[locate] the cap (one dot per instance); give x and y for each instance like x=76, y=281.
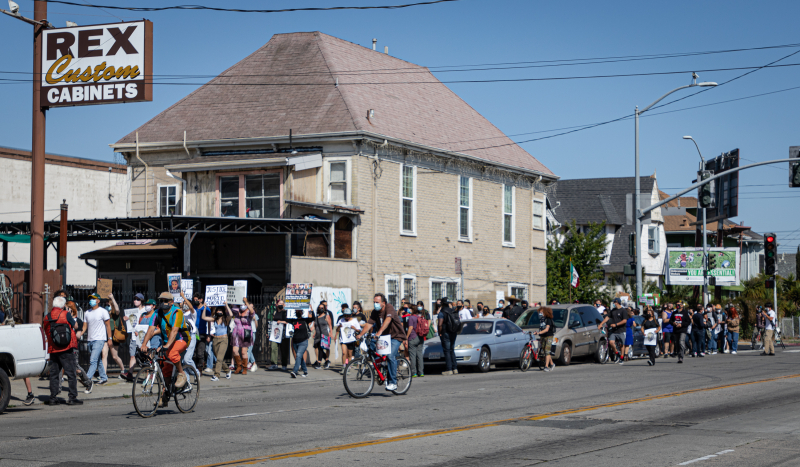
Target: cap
x=150, y=302
x=617, y=300
x=94, y=296
x=139, y=297
x=165, y=296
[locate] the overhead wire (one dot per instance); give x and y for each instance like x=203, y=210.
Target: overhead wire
x=242, y=10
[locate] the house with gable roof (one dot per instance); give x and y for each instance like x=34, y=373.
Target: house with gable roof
x=425, y=197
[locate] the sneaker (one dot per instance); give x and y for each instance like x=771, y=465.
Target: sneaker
x=304, y=375
x=620, y=362
x=122, y=376
x=180, y=380
x=547, y=368
x=666, y=356
x=51, y=401
x=231, y=367
x=714, y=352
x=89, y=388
x=327, y=364
x=391, y=387
x=552, y=367
x=455, y=372
x=253, y=367
x=421, y=376
x=447, y=373
x=414, y=376
x=650, y=362
x=734, y=352
x=293, y=374
x=208, y=371
x=74, y=402
x=214, y=378
x=680, y=360
x=29, y=400
x=187, y=388
x=317, y=366
x=228, y=374
x=101, y=383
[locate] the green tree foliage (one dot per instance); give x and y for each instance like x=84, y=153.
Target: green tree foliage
x=586, y=250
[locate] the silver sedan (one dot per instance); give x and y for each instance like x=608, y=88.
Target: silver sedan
x=481, y=343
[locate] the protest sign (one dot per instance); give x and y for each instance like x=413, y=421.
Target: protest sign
x=139, y=332
x=216, y=295
x=347, y=335
x=298, y=297
x=174, y=286
x=276, y=332
x=289, y=331
x=133, y=318
x=187, y=287
x=104, y=287
x=241, y=284
x=235, y=295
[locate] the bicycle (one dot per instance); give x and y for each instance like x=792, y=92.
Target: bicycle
x=531, y=353
x=149, y=386
x=755, y=342
x=359, y=374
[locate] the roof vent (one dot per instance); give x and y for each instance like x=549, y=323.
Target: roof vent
x=374, y=44
x=684, y=222
x=370, y=114
x=386, y=50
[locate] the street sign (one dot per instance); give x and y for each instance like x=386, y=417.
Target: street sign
x=458, y=266
x=726, y=204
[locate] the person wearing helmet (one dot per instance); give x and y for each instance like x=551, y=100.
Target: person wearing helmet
x=169, y=319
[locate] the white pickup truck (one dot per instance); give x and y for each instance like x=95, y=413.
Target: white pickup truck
x=23, y=354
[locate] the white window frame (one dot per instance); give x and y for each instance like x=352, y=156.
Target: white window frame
x=512, y=285
x=177, y=199
x=413, y=231
x=468, y=238
x=503, y=214
x=656, y=239
x=412, y=294
x=538, y=213
x=347, y=179
x=443, y=280
x=386, y=280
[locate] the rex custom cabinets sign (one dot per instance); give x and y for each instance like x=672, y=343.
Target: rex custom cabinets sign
x=99, y=64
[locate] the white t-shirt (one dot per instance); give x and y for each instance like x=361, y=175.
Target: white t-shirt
x=95, y=324
x=464, y=314
x=601, y=309
x=773, y=316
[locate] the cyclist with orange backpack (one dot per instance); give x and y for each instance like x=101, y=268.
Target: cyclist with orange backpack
x=418, y=327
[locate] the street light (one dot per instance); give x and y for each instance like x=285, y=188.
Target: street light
x=705, y=247
x=638, y=207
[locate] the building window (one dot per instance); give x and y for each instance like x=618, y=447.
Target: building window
x=652, y=240
x=393, y=291
x=518, y=290
x=338, y=182
x=508, y=215
x=263, y=196
x=408, y=199
x=229, y=196
x=444, y=287
x=168, y=200
x=538, y=214
x=409, y=288
x=465, y=209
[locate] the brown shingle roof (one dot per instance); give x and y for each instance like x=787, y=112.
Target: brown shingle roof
x=685, y=201
x=256, y=98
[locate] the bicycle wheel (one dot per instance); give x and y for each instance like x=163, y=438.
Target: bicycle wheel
x=186, y=398
x=359, y=378
x=526, y=358
x=403, y=376
x=146, y=392
x=541, y=357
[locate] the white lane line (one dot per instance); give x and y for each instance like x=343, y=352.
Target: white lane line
x=710, y=456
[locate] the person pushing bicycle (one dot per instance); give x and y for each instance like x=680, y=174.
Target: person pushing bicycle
x=171, y=323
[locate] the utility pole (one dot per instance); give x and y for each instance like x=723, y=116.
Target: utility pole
x=62, y=243
x=37, y=169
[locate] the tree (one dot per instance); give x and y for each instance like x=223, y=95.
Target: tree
x=797, y=262
x=586, y=250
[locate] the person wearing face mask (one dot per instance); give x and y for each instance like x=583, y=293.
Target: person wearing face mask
x=132, y=339
x=463, y=313
x=650, y=326
x=117, y=324
x=98, y=329
x=205, y=339
x=190, y=318
x=148, y=318
x=324, y=329
x=416, y=342
x=218, y=330
x=346, y=328
x=174, y=330
x=284, y=349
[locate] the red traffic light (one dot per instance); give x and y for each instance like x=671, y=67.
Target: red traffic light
x=770, y=239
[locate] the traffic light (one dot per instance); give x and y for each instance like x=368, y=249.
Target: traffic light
x=770, y=283
x=707, y=191
x=794, y=167
x=770, y=253
x=632, y=244
x=712, y=281
x=712, y=261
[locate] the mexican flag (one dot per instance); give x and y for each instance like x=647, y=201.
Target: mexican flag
x=573, y=274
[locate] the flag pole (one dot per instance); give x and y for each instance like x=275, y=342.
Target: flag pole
x=570, y=280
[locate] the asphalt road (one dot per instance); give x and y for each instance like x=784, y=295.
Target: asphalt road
x=741, y=410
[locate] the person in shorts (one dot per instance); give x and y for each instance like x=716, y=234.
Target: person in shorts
x=546, y=332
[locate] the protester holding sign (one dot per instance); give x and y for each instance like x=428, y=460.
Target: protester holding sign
x=322, y=338
x=285, y=342
x=651, y=329
x=303, y=327
x=242, y=335
x=131, y=319
x=190, y=318
x=218, y=328
x=346, y=329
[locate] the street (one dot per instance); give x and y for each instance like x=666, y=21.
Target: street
x=719, y=410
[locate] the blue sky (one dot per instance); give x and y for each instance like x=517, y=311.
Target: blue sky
x=470, y=32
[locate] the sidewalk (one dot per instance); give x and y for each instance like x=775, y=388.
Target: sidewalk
x=117, y=388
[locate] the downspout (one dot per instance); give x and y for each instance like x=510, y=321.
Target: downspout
x=145, y=174
x=375, y=224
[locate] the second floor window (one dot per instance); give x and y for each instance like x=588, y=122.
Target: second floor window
x=229, y=196
x=168, y=201
x=508, y=215
x=653, y=245
x=263, y=196
x=464, y=206
x=338, y=183
x=408, y=192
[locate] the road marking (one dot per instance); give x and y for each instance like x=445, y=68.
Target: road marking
x=444, y=431
x=710, y=456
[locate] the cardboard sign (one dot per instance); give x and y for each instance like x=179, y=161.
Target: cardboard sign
x=298, y=297
x=104, y=287
x=276, y=332
x=187, y=287
x=235, y=295
x=241, y=284
x=216, y=295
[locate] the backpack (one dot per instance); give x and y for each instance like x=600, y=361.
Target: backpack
x=60, y=333
x=452, y=323
x=422, y=327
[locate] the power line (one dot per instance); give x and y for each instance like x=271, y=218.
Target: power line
x=239, y=10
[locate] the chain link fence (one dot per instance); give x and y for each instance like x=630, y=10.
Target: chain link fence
x=790, y=326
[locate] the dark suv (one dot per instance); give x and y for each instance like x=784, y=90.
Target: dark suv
x=576, y=333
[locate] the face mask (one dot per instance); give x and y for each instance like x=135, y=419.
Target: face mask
x=92, y=303
x=218, y=315
x=196, y=303
x=280, y=307
x=377, y=306
x=165, y=306
x=148, y=308
x=108, y=307
x=419, y=308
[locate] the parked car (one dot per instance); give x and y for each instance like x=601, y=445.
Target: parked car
x=23, y=354
x=481, y=343
x=576, y=332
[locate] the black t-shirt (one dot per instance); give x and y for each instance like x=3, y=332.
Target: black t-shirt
x=361, y=317
x=550, y=330
x=512, y=313
x=680, y=321
x=697, y=320
x=301, y=329
x=618, y=315
x=650, y=324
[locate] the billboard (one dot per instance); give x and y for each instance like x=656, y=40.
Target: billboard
x=685, y=266
x=98, y=64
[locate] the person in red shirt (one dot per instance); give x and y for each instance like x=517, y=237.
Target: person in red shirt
x=60, y=322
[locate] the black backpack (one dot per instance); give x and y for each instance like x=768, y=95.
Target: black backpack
x=452, y=322
x=60, y=332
